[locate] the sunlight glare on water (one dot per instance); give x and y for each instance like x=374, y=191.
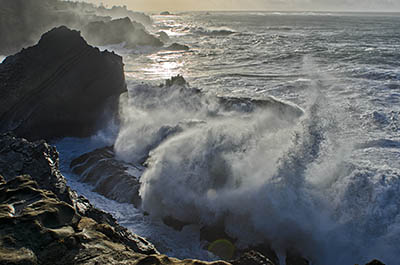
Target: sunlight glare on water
x=164, y=65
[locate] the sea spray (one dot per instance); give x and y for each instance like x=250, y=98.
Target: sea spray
x=267, y=176
x=247, y=172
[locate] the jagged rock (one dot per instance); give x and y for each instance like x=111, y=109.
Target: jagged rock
x=60, y=87
x=266, y=250
x=40, y=160
x=178, y=47
x=175, y=80
x=19, y=157
x=252, y=258
x=110, y=177
x=38, y=228
x=119, y=31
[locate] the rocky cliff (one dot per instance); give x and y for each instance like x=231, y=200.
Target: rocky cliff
x=59, y=87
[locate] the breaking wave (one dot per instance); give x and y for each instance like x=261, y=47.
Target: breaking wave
x=268, y=175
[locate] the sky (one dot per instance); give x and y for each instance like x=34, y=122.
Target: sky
x=272, y=5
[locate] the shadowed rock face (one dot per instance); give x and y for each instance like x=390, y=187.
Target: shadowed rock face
x=59, y=87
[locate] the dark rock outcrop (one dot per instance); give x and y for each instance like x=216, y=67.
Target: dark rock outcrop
x=178, y=47
x=109, y=176
x=117, y=31
x=60, y=87
x=165, y=13
x=176, y=80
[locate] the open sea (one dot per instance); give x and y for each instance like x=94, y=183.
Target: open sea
x=326, y=183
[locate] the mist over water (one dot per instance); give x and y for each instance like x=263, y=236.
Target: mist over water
x=325, y=183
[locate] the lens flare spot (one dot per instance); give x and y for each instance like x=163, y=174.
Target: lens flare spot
x=223, y=248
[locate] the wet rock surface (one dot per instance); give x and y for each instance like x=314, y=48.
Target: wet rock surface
x=110, y=177
x=59, y=87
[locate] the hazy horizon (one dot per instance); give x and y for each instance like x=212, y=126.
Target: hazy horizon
x=258, y=5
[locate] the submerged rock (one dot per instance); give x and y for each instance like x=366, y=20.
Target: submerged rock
x=110, y=177
x=117, y=31
x=59, y=87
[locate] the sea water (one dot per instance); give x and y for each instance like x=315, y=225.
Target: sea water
x=326, y=183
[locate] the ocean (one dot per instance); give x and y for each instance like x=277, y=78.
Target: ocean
x=326, y=183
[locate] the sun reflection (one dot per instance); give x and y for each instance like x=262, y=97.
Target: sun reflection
x=164, y=65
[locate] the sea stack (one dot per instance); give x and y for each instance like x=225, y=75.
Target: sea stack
x=59, y=87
